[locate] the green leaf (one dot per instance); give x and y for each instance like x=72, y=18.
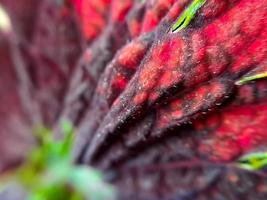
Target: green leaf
x=187, y=15
x=56, y=191
x=90, y=182
x=251, y=78
x=49, y=174
x=68, y=131
x=253, y=161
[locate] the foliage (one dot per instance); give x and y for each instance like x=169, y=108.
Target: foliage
x=48, y=173
x=253, y=161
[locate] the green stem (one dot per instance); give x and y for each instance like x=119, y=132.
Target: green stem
x=187, y=15
x=251, y=78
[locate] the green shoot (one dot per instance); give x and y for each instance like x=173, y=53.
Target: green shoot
x=49, y=174
x=187, y=15
x=251, y=78
x=253, y=161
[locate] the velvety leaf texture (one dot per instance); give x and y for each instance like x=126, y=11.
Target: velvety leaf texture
x=165, y=95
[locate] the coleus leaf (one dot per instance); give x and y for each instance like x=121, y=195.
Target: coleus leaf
x=122, y=67
x=94, y=61
x=93, y=17
x=210, y=57
x=177, y=64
